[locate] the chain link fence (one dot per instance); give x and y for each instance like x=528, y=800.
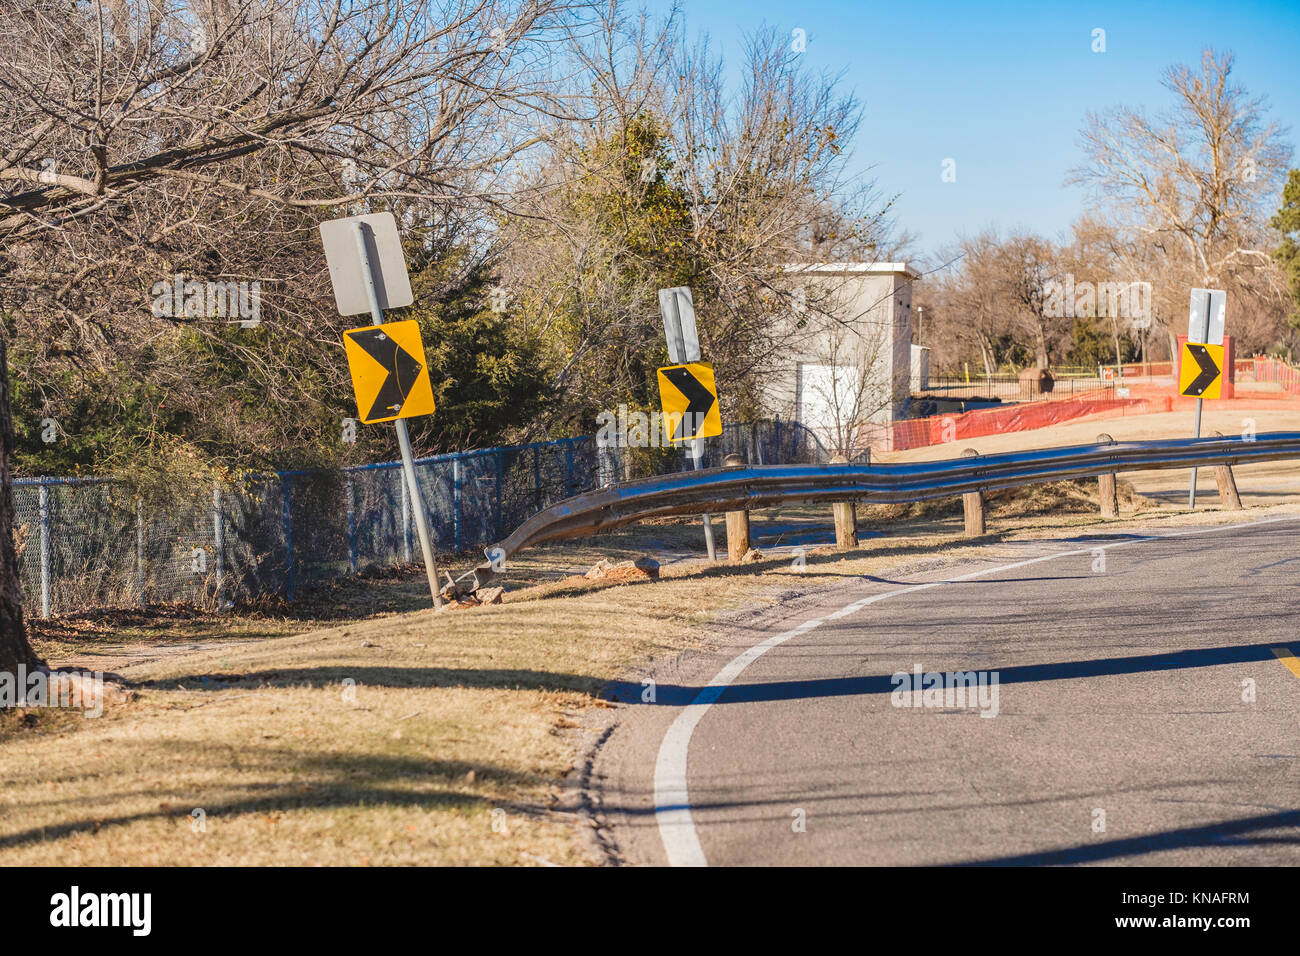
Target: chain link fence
x=87, y=543
x=1012, y=388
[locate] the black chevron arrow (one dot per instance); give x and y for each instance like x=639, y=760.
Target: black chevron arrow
x=1209, y=371
x=698, y=401
x=403, y=369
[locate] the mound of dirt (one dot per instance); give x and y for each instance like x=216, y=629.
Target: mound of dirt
x=643, y=567
x=1075, y=496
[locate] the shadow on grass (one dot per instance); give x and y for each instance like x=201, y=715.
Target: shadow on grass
x=317, y=678
x=343, y=781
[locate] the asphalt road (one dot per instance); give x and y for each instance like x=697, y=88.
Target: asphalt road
x=1119, y=733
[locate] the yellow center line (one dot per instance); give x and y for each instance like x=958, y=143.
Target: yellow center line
x=1291, y=662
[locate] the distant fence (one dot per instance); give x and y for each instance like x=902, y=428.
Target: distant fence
x=1060, y=406
x=958, y=426
x=1010, y=387
x=1276, y=370
x=85, y=543
x=1139, y=370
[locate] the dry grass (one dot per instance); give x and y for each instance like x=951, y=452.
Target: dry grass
x=392, y=739
x=387, y=740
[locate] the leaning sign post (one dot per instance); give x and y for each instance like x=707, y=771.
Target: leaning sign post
x=389, y=372
x=686, y=388
x=1200, y=371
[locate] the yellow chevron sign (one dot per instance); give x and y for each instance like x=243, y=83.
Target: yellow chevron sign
x=1200, y=374
x=389, y=373
x=689, y=397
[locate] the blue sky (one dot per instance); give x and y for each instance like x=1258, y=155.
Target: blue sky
x=1002, y=88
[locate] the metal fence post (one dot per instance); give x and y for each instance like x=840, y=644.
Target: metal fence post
x=139, y=549
x=287, y=524
x=352, y=526
x=568, y=469
x=537, y=477
x=218, y=542
x=501, y=476
x=456, y=479
x=44, y=508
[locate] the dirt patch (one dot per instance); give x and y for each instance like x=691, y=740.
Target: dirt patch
x=1076, y=496
x=644, y=568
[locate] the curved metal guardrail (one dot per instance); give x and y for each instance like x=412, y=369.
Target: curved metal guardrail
x=760, y=486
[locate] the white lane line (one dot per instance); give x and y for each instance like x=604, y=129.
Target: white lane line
x=672, y=799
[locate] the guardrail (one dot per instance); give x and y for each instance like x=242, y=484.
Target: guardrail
x=758, y=486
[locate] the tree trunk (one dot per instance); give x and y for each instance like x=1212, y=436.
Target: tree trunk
x=986, y=355
x=1040, y=347
x=14, y=649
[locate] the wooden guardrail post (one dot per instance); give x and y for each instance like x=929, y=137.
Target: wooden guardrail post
x=973, y=504
x=1106, y=489
x=737, y=521
x=1223, y=477
x=846, y=517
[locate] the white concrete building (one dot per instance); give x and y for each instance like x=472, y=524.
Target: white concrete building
x=848, y=365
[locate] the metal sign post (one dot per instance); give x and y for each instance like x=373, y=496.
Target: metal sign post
x=403, y=438
x=678, y=311
x=1204, y=326
x=695, y=451
x=1196, y=433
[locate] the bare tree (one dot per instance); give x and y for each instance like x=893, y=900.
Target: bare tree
x=1029, y=263
x=677, y=182
x=389, y=97
x=140, y=129
x=992, y=292
x=14, y=649
x=1194, y=183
